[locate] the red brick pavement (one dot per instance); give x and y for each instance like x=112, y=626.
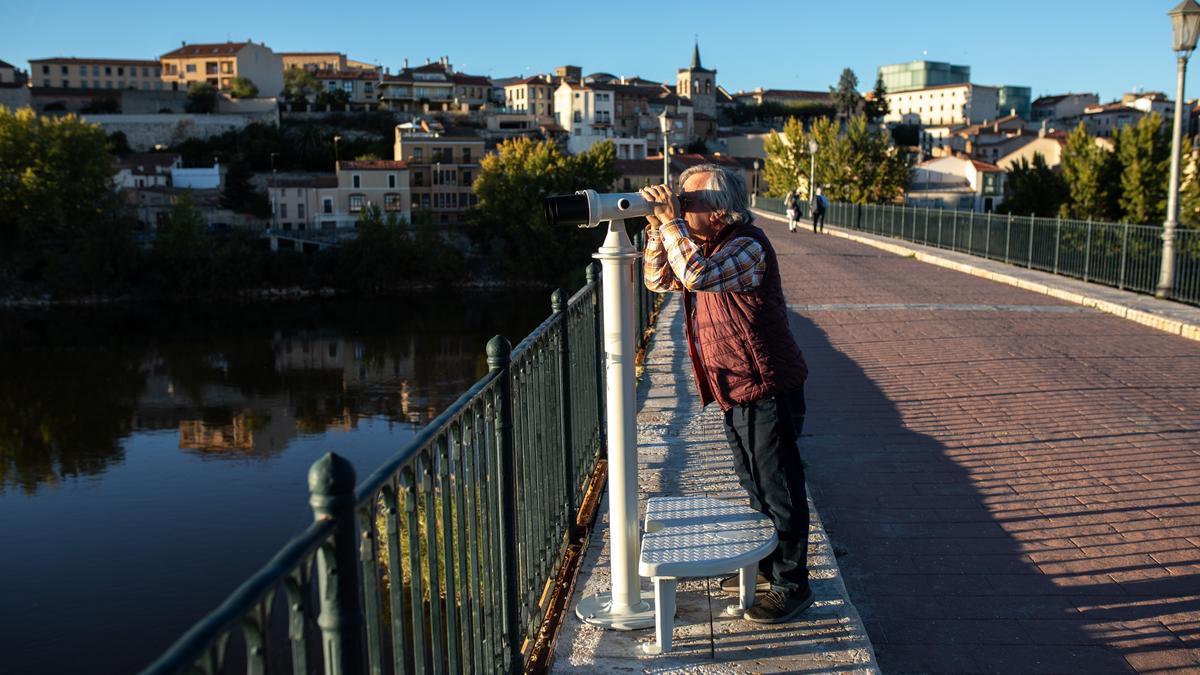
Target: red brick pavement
x=1008, y=491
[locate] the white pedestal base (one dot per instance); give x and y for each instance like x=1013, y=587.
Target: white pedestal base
x=597, y=610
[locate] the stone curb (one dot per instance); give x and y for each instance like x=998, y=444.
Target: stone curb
x=1060, y=288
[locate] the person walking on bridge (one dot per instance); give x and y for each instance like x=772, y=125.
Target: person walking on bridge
x=791, y=204
x=819, y=204
x=705, y=245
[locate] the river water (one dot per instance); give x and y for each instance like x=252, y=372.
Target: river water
x=152, y=458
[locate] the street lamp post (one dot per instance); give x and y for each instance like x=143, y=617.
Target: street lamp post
x=664, y=123
x=336, y=157
x=1185, y=24
x=812, y=168
x=755, y=195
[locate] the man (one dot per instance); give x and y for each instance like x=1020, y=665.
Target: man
x=819, y=204
x=743, y=357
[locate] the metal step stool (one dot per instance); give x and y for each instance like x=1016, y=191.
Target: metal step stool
x=699, y=537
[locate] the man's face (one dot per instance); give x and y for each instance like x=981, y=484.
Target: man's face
x=702, y=223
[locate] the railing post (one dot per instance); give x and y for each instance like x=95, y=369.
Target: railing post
x=940, y=211
x=592, y=274
x=954, y=230
x=1087, y=251
x=499, y=355
x=1029, y=258
x=1057, y=240
x=987, y=240
x=971, y=232
x=1124, y=253
x=558, y=305
x=1007, y=237
x=331, y=495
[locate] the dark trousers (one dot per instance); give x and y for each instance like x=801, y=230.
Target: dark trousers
x=763, y=437
x=818, y=221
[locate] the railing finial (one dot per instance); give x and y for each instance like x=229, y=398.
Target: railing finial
x=558, y=300
x=499, y=352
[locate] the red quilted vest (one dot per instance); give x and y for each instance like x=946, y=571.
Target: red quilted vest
x=746, y=350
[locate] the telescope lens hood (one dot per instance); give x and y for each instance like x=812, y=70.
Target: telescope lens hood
x=566, y=210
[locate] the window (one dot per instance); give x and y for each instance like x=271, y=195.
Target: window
x=418, y=179
x=145, y=72
x=108, y=70
x=391, y=181
x=300, y=210
x=64, y=69
x=120, y=84
x=283, y=210
x=327, y=205
x=578, y=117
x=210, y=67
x=466, y=155
x=83, y=84
x=357, y=203
x=95, y=71
x=392, y=202
x=466, y=178
x=191, y=67
x=425, y=201
x=227, y=67
x=66, y=83
x=355, y=181
x=121, y=70
x=45, y=70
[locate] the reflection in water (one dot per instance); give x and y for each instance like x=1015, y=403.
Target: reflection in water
x=232, y=382
x=152, y=458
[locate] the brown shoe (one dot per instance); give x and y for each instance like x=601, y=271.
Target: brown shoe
x=732, y=586
x=778, y=607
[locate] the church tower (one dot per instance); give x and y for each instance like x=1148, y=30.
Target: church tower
x=698, y=84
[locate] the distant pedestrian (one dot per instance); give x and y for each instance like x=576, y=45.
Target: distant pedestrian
x=819, y=206
x=791, y=203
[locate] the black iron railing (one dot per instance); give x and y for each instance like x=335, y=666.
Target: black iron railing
x=1114, y=254
x=440, y=560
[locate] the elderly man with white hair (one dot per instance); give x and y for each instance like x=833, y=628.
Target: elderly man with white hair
x=704, y=244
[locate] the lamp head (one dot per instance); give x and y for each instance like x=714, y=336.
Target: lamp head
x=1185, y=25
x=812, y=146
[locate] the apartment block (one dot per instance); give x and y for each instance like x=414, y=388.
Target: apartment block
x=443, y=163
x=435, y=87
x=947, y=104
x=361, y=86
x=317, y=61
x=586, y=113
x=1061, y=106
x=331, y=203
x=97, y=73
x=218, y=63
x=534, y=95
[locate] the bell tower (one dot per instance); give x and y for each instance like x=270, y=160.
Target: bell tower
x=698, y=84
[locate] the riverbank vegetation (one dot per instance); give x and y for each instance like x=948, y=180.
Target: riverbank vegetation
x=66, y=233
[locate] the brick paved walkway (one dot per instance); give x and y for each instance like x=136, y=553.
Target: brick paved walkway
x=1011, y=482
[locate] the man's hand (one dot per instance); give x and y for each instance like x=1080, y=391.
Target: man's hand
x=666, y=205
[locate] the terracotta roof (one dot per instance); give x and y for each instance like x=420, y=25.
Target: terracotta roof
x=984, y=166
x=208, y=49
x=146, y=163
x=532, y=79
x=310, y=53
x=6, y=64
x=98, y=62
x=791, y=93
x=371, y=165
x=639, y=167
x=459, y=78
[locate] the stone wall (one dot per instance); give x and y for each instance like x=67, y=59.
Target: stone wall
x=146, y=131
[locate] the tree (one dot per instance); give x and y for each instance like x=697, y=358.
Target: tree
x=855, y=165
x=845, y=95
x=118, y=143
x=335, y=98
x=509, y=221
x=1033, y=189
x=240, y=87
x=201, y=98
x=239, y=195
x=1144, y=152
x=1189, y=190
x=877, y=108
x=299, y=85
x=1087, y=170
x=181, y=249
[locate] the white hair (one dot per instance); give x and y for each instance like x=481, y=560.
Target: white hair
x=724, y=193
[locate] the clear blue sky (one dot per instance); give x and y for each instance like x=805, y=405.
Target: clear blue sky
x=1107, y=46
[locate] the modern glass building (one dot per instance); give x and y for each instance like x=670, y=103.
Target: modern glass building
x=922, y=74
x=1015, y=98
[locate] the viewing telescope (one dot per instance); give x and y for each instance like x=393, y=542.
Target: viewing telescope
x=588, y=208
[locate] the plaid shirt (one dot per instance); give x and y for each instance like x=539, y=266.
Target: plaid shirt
x=673, y=262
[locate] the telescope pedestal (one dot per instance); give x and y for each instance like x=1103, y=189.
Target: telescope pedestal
x=627, y=607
